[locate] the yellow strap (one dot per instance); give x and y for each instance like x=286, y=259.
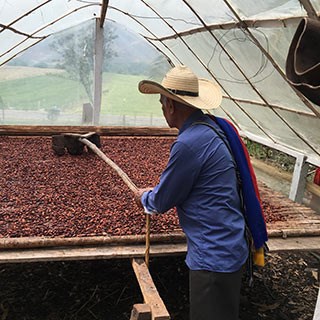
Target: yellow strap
x=258, y=257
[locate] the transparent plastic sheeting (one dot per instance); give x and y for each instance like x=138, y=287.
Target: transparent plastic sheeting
x=272, y=9
x=209, y=37
x=38, y=90
x=44, y=18
x=316, y=5
x=275, y=127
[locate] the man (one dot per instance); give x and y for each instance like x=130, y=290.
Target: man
x=200, y=181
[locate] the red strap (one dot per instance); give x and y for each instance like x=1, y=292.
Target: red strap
x=316, y=179
x=252, y=173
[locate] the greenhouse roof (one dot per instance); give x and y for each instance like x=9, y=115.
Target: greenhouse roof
x=242, y=45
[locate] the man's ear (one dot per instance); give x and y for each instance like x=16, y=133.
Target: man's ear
x=171, y=106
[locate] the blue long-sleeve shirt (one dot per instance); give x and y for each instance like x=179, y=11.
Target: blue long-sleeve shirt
x=200, y=181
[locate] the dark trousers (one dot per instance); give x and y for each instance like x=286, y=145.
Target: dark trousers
x=214, y=295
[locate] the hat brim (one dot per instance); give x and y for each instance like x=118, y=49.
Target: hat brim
x=209, y=97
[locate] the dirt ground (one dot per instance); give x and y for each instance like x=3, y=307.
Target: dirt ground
x=286, y=288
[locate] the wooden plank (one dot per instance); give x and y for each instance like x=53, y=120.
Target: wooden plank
x=88, y=253
x=281, y=174
x=141, y=312
x=18, y=130
x=149, y=291
x=93, y=241
x=60, y=253
x=315, y=160
x=294, y=244
x=285, y=233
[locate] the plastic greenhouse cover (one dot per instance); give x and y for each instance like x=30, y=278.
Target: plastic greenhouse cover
x=274, y=9
x=209, y=37
x=316, y=4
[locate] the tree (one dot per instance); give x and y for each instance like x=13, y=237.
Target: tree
x=75, y=48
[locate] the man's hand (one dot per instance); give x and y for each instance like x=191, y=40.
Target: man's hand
x=138, y=194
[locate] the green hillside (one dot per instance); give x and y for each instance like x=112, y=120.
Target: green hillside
x=119, y=94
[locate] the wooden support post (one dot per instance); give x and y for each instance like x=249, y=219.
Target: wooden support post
x=149, y=291
x=298, y=182
x=141, y=312
x=87, y=113
x=98, y=62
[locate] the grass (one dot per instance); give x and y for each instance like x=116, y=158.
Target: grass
x=121, y=96
x=36, y=91
x=40, y=92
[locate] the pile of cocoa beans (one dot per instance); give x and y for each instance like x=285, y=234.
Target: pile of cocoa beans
x=43, y=194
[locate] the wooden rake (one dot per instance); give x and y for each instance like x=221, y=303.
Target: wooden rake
x=74, y=144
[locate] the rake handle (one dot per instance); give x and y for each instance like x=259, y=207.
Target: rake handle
x=126, y=180
x=112, y=164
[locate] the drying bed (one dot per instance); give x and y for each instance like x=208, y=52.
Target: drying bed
x=45, y=195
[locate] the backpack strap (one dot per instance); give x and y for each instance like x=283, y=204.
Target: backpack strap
x=230, y=151
x=248, y=235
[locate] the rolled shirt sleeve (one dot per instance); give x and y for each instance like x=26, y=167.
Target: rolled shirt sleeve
x=176, y=181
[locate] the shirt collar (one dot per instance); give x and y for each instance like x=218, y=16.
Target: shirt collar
x=195, y=116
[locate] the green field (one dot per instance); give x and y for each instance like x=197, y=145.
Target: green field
x=35, y=91
x=120, y=95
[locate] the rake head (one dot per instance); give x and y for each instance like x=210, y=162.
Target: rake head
x=70, y=143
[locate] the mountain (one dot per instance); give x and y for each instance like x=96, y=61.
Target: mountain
x=133, y=54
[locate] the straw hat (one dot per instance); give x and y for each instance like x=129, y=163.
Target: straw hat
x=303, y=60
x=182, y=85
